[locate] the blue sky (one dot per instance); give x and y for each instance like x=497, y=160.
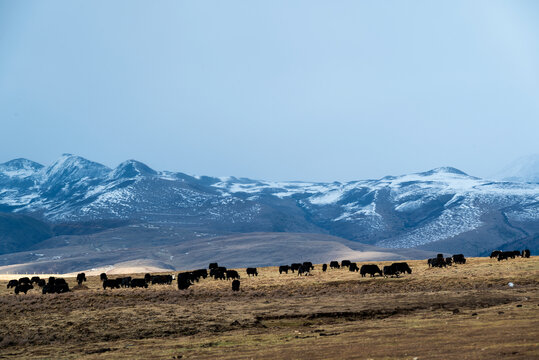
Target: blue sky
x=280, y=90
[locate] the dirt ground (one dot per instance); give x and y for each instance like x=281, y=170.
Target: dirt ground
x=462, y=312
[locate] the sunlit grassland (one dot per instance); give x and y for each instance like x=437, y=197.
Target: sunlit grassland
x=464, y=311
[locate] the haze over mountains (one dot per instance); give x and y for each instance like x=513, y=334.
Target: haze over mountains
x=524, y=169
x=78, y=214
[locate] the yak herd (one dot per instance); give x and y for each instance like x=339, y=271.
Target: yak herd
x=505, y=255
x=53, y=285
x=305, y=268
x=440, y=261
x=188, y=278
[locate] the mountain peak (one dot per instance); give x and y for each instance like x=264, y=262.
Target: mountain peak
x=131, y=169
x=20, y=168
x=21, y=163
x=69, y=160
x=74, y=166
x=444, y=170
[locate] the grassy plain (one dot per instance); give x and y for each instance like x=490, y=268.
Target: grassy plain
x=462, y=312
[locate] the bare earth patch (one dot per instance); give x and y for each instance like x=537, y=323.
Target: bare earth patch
x=462, y=312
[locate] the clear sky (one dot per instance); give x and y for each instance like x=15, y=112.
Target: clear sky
x=277, y=90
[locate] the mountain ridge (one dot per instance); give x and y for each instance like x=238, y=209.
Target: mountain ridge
x=406, y=211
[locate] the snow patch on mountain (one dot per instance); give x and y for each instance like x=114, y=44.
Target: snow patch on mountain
x=327, y=197
x=465, y=217
x=12, y=198
x=408, y=206
x=278, y=189
x=353, y=211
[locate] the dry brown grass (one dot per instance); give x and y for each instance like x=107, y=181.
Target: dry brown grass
x=466, y=311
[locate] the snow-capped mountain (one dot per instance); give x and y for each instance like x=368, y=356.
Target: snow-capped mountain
x=439, y=209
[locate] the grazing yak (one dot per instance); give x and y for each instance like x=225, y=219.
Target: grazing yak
x=402, y=267
x=218, y=274
x=55, y=286
x=437, y=262
x=12, y=283
x=308, y=264
x=103, y=277
x=213, y=266
x=324, y=267
x=390, y=271
x=284, y=269
x=370, y=269
x=504, y=255
x=200, y=273
x=183, y=284
x=526, y=253
x=334, y=265
x=236, y=285
x=304, y=270
x=345, y=263
x=111, y=283
x=232, y=274
x=459, y=259
x=184, y=280
x=138, y=283
x=80, y=278
x=126, y=282
x=23, y=287
x=295, y=266
x=252, y=271
x=41, y=283
x=35, y=279
x=495, y=254
x=161, y=279
x=396, y=269
x=449, y=261
x=353, y=267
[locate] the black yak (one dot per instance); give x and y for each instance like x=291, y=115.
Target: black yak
x=252, y=271
x=232, y=274
x=284, y=269
x=80, y=278
x=370, y=269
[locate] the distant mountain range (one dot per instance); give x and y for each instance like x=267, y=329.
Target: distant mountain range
x=524, y=169
x=443, y=209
